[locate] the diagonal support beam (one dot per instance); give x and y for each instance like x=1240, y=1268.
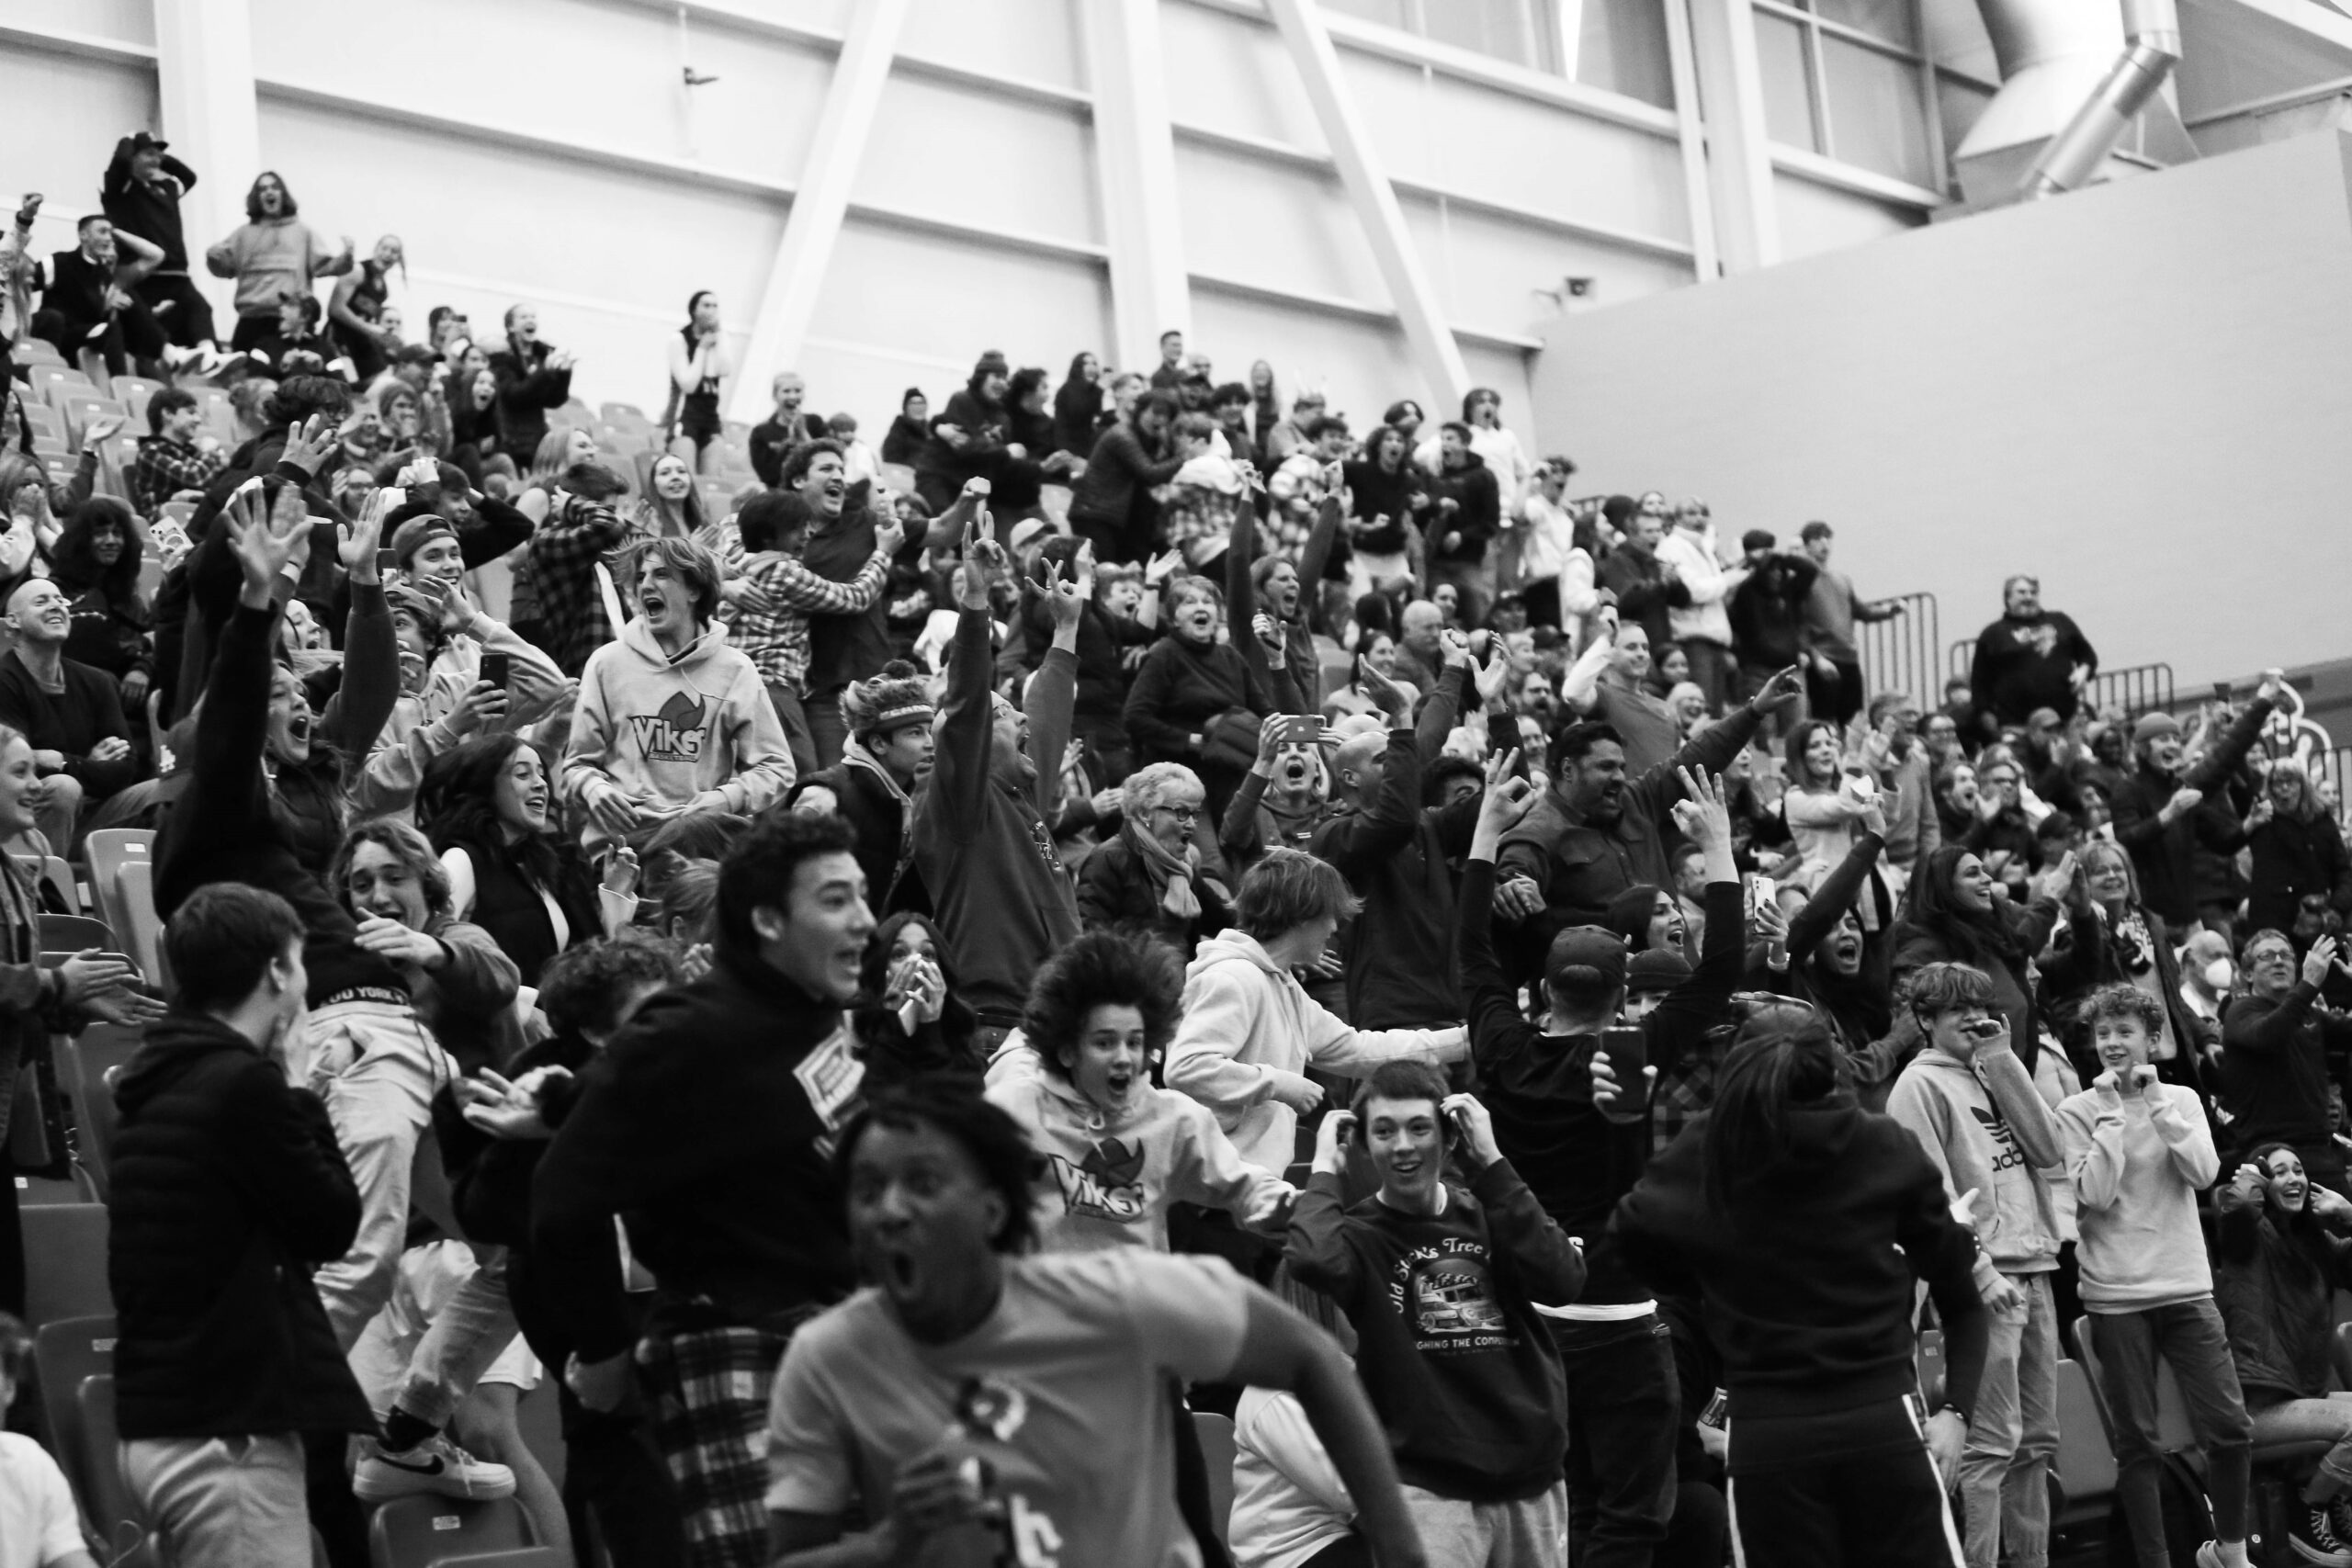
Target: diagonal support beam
x=789, y=304
x=1135, y=169
x=1431, y=339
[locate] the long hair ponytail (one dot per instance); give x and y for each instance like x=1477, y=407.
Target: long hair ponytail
x=1783, y=1057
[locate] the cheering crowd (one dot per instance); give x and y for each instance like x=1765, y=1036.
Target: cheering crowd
x=898, y=976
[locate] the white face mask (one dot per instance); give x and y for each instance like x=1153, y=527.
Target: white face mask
x=2218, y=975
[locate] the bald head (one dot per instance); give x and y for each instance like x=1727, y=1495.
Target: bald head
x=1421, y=624
x=38, y=612
x=1358, y=766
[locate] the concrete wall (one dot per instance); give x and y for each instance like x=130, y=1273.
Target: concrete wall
x=2138, y=393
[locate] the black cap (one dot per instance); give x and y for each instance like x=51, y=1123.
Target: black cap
x=1758, y=539
x=147, y=142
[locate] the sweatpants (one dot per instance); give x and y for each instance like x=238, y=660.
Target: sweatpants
x=1850, y=1489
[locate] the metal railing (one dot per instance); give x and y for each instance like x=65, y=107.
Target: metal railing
x=2135, y=688
x=1899, y=654
x=2335, y=766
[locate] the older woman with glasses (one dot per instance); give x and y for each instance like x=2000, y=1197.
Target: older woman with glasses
x=1152, y=876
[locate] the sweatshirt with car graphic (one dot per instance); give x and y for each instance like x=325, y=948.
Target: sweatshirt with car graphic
x=1462, y=1371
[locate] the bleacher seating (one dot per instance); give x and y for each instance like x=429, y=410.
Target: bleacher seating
x=1214, y=1434
x=37, y=351
x=142, y=929
x=53, y=871
x=65, y=1353
x=133, y=392
x=91, y=1055
x=106, y=852
x=72, y=933
x=106, y=1498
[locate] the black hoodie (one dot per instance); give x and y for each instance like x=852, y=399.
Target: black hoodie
x=228, y=1190
x=1807, y=1294
x=708, y=1126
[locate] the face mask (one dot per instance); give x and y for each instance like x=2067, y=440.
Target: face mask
x=2218, y=975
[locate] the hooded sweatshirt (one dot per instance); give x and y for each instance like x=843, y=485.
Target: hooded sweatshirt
x=1247, y=1021
x=1108, y=1177
x=659, y=731
x=1988, y=1130
x=269, y=257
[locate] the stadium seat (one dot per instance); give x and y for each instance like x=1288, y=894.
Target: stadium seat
x=142, y=930
x=641, y=470
x=527, y=1557
x=48, y=379
x=58, y=875
x=106, y=852
x=72, y=933
x=2085, y=1463
x=106, y=1499
x=93, y=1056
x=45, y=422
x=47, y=1191
x=1215, y=1436
x=83, y=409
x=65, y=1251
x=425, y=1531
x=133, y=392
x=626, y=416
x=65, y=1353
x=1931, y=1365
x=37, y=351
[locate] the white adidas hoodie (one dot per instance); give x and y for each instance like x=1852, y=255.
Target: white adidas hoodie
x=1245, y=1020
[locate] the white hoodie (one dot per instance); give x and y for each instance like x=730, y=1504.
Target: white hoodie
x=660, y=731
x=1247, y=1022
x=1694, y=560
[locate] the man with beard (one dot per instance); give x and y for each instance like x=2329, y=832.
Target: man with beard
x=2030, y=658
x=709, y=1122
x=1597, y=831
x=984, y=1404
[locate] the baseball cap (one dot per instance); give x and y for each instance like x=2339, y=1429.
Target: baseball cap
x=1758, y=539
x=1594, y=948
x=147, y=142
x=1656, y=969
x=2151, y=725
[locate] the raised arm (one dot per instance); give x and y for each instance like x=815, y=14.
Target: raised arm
x=959, y=779
x=1835, y=896
x=1051, y=697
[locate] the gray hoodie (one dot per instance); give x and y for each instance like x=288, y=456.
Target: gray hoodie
x=1988, y=1130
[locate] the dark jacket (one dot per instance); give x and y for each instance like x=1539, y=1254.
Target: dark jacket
x=1644, y=592
x=1766, y=612
x=772, y=441
x=1473, y=490
x=526, y=390
x=150, y=211
x=1180, y=687
x=842, y=648
x=1808, y=1278
x=2004, y=965
x=1115, y=892
x=2024, y=663
x=2276, y=1286
x=2294, y=859
x=1105, y=495
x=708, y=1127
x=228, y=1189
x=2164, y=853
x=71, y=723
x=1399, y=859
x=2274, y=1068
x=1579, y=866
x=885, y=824
x=109, y=634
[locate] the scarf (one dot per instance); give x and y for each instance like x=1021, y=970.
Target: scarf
x=1170, y=873
x=855, y=755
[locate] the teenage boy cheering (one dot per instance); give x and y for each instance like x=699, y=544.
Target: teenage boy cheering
x=1440, y=1283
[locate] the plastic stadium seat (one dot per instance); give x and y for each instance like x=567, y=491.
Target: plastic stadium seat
x=50, y=382
x=142, y=929
x=106, y=852
x=37, y=351
x=65, y=1353
x=94, y=1056
x=106, y=1499
x=626, y=416
x=134, y=392
x=45, y=422
x=1215, y=1436
x=65, y=1256
x=529, y=1557
x=58, y=874
x=72, y=933
x=1931, y=1365
x=83, y=410
x=420, y=1532
x=2085, y=1464
x=897, y=477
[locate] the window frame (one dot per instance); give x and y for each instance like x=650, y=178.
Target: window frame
x=1924, y=72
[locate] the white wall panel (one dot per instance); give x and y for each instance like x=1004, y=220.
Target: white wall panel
x=85, y=106
x=1273, y=224
x=1518, y=152
x=121, y=21
x=1506, y=370
x=951, y=151
x=609, y=257
x=1361, y=367
x=1232, y=75
x=1487, y=269
x=1814, y=218
x=1032, y=41
x=927, y=307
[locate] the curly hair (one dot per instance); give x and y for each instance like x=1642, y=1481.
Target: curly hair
x=2124, y=1000
x=954, y=1108
x=406, y=845
x=73, y=563
x=581, y=989
x=1102, y=969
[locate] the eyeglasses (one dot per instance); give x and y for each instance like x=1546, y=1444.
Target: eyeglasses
x=1182, y=813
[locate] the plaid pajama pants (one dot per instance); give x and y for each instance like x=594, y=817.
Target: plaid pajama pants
x=710, y=1389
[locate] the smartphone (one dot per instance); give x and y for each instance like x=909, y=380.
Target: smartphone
x=1760, y=893
x=1628, y=1051
x=1300, y=729
x=497, y=669
x=394, y=499
x=387, y=562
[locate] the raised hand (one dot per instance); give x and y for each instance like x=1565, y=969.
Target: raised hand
x=1330, y=1140
x=1065, y=603
x=1477, y=1126
x=889, y=536
x=307, y=447
x=1269, y=632
x=1780, y=693
x=2317, y=962
x=265, y=537
x=1508, y=798
x=356, y=543
x=1702, y=814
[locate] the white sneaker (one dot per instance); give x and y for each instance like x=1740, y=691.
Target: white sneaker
x=435, y=1465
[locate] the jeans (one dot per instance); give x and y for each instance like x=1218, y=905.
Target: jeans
x=2004, y=1484
x=2306, y=1420
x=790, y=713
x=465, y=1330
x=1473, y=580
x=2190, y=1336
x=376, y=1066
x=1530, y=1533
x=222, y=1502
x=826, y=726
x=1625, y=1405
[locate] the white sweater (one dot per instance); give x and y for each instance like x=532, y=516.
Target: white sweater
x=1694, y=561
x=1246, y=1020
x=2138, y=1162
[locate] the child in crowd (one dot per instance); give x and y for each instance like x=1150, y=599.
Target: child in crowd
x=2138, y=1152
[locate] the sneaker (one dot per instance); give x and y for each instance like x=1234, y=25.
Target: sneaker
x=435, y=1465
x=2316, y=1537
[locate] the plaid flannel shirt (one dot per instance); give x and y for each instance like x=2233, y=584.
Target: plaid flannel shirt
x=165, y=468
x=777, y=640
x=1679, y=1096
x=565, y=551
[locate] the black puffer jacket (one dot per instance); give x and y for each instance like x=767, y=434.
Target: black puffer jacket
x=229, y=1190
